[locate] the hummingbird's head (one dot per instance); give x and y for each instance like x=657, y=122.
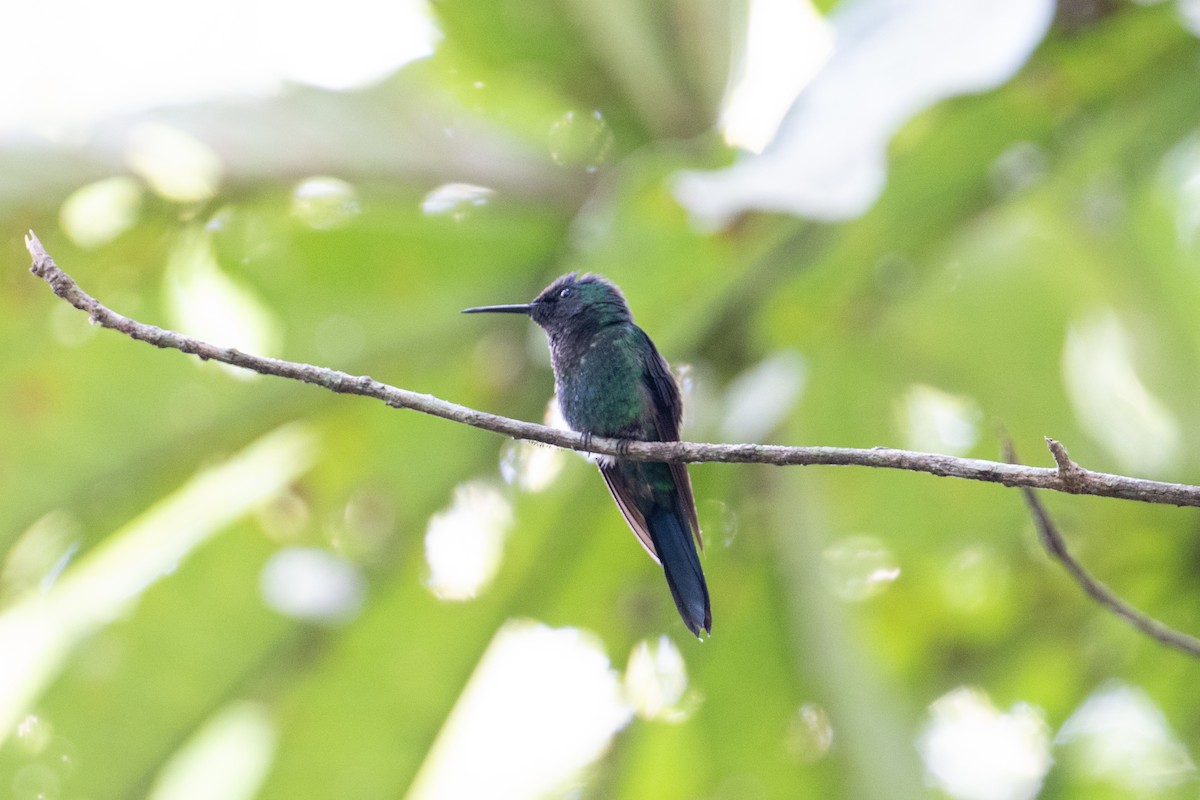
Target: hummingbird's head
x=574, y=302
x=579, y=302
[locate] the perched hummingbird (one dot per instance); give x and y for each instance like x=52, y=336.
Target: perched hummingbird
x=612, y=382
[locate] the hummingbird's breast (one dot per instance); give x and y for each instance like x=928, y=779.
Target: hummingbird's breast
x=599, y=383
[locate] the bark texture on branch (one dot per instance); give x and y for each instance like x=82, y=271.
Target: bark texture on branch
x=1072, y=479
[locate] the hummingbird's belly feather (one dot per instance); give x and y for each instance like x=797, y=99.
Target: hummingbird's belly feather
x=600, y=391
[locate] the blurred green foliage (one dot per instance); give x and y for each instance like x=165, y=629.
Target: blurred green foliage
x=961, y=279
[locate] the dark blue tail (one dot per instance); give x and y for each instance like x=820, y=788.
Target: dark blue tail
x=673, y=541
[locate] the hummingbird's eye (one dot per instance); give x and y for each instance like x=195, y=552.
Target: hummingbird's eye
x=565, y=292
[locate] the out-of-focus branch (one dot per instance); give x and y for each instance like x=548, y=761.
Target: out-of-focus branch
x=1073, y=480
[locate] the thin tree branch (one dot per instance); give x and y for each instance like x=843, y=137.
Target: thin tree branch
x=1072, y=480
x=1054, y=544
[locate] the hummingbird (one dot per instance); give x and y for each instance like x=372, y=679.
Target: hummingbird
x=611, y=382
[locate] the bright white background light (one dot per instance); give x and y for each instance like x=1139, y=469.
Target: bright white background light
x=542, y=704
x=127, y=55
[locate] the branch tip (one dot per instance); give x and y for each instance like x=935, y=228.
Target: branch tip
x=1071, y=474
x=41, y=259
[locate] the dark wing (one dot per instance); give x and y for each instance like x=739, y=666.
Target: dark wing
x=668, y=414
x=621, y=491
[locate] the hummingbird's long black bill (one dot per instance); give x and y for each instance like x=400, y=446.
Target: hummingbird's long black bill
x=518, y=308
